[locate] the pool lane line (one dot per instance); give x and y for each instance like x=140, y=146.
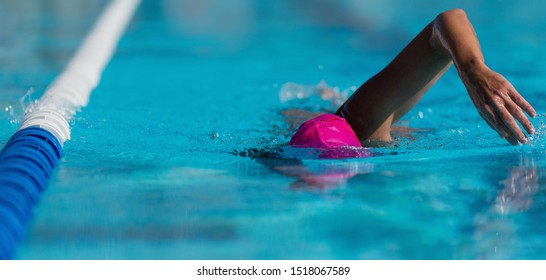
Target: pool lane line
x=29, y=158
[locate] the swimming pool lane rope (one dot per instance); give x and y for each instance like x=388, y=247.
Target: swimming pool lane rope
x=30, y=156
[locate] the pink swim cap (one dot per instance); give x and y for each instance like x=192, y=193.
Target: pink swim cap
x=329, y=132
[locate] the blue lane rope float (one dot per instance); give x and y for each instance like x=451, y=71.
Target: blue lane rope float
x=26, y=163
x=29, y=158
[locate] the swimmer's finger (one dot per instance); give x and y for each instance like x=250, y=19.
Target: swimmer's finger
x=504, y=132
x=518, y=99
x=520, y=116
x=511, y=124
x=488, y=119
x=495, y=122
x=508, y=136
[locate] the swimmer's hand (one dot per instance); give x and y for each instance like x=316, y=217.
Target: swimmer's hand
x=498, y=102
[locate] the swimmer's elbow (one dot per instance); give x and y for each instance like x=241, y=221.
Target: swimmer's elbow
x=449, y=18
x=443, y=22
x=456, y=13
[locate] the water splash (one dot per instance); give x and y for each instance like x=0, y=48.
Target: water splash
x=26, y=101
x=26, y=104
x=12, y=114
x=333, y=96
x=537, y=141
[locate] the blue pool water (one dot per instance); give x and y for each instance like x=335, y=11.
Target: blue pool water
x=157, y=166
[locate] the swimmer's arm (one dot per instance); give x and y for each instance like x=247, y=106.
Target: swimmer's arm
x=391, y=93
x=497, y=101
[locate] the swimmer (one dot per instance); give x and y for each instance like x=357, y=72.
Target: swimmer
x=366, y=118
